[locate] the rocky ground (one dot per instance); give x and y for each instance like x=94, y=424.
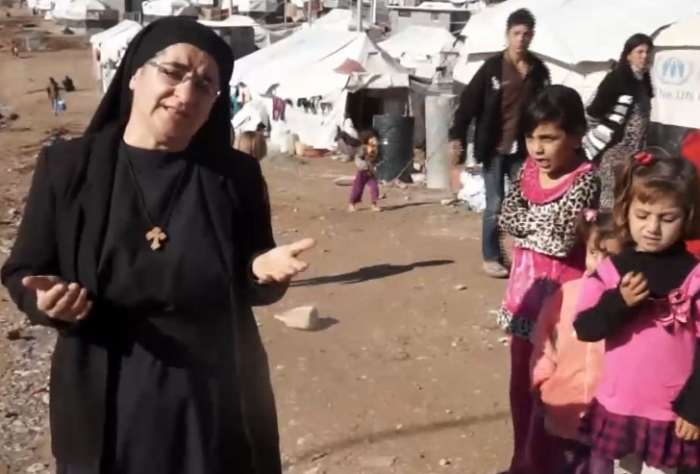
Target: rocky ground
x=406, y=373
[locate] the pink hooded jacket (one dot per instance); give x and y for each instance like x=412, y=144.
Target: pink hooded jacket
x=564, y=370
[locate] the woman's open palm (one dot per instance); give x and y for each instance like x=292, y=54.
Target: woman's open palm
x=59, y=299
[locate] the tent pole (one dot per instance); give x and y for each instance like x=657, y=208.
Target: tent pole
x=284, y=15
x=359, y=16
x=373, y=12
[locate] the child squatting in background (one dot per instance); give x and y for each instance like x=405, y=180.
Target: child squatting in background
x=643, y=303
x=542, y=211
x=565, y=370
x=366, y=161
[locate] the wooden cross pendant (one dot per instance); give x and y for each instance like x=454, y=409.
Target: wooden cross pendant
x=155, y=236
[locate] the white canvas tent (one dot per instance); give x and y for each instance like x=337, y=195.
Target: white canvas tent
x=577, y=39
x=422, y=49
x=160, y=8
x=262, y=36
x=676, y=74
x=79, y=10
x=322, y=64
x=112, y=42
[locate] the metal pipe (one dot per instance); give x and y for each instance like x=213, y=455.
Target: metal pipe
x=359, y=15
x=373, y=12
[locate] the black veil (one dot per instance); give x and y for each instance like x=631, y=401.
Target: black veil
x=115, y=106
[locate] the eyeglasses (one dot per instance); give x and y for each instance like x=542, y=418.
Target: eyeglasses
x=175, y=76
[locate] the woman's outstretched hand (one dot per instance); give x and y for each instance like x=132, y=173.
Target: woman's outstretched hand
x=59, y=299
x=281, y=264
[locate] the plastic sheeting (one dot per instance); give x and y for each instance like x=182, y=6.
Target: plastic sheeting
x=473, y=191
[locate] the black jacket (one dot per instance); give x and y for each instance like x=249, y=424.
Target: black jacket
x=67, y=210
x=481, y=101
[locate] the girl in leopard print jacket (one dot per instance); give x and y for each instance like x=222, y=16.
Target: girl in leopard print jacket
x=541, y=212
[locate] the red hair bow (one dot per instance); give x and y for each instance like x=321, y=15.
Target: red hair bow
x=643, y=158
x=590, y=215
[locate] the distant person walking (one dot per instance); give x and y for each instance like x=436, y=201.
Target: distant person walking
x=495, y=99
x=620, y=113
x=52, y=90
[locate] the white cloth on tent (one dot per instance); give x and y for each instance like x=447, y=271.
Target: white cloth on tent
x=349, y=128
x=251, y=115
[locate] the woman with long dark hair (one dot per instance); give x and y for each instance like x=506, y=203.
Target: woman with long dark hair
x=620, y=113
x=144, y=243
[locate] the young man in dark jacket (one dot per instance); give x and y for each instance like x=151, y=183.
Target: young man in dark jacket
x=495, y=99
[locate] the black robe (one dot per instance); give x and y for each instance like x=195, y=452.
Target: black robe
x=168, y=373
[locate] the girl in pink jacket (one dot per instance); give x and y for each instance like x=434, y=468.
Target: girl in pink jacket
x=644, y=303
x=565, y=370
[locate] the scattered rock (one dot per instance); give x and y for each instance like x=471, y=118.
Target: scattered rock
x=304, y=318
x=36, y=468
x=445, y=462
x=377, y=462
x=460, y=287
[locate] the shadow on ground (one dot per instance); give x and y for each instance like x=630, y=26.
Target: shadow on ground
x=374, y=272
x=405, y=432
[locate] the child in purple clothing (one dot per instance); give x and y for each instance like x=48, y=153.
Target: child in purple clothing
x=366, y=161
x=644, y=303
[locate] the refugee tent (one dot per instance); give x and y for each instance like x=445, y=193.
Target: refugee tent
x=307, y=78
x=111, y=43
x=578, y=39
x=160, y=8
x=423, y=50
x=89, y=15
x=339, y=18
x=108, y=47
x=676, y=76
x=234, y=30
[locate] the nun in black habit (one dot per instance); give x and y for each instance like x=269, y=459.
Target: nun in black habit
x=145, y=243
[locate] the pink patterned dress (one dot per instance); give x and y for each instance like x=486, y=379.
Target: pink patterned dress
x=547, y=252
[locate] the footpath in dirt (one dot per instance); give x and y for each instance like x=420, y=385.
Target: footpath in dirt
x=405, y=372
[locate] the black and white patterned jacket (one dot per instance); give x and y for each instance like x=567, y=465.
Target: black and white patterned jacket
x=611, y=108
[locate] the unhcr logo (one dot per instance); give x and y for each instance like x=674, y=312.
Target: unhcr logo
x=674, y=71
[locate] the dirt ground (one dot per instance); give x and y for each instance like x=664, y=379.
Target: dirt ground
x=408, y=374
